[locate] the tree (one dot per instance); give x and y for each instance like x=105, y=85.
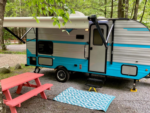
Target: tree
x=105, y=8
x=41, y=7
x=120, y=9
x=136, y=10
x=126, y=8
x=143, y=11
x=111, y=9
x=132, y=9
x=2, y=9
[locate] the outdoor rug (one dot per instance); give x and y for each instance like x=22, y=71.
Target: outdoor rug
x=86, y=99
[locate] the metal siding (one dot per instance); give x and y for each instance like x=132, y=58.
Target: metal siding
x=31, y=46
x=132, y=55
x=57, y=34
x=31, y=34
x=128, y=24
x=109, y=42
x=69, y=50
x=129, y=44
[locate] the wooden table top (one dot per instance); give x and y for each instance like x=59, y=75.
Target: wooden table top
x=18, y=80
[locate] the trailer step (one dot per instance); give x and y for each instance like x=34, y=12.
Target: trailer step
x=94, y=82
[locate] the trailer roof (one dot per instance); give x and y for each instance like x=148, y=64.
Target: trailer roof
x=45, y=22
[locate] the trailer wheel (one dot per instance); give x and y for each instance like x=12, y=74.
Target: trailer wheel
x=62, y=75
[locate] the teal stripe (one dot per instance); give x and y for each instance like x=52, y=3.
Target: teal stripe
x=137, y=29
x=69, y=42
x=69, y=30
x=130, y=45
x=64, y=42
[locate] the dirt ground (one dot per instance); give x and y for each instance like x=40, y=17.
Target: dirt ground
x=125, y=101
x=12, y=59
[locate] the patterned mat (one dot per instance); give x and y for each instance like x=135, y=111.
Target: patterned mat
x=86, y=99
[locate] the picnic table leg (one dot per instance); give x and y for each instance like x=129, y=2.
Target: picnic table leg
x=39, y=84
x=8, y=97
x=19, y=89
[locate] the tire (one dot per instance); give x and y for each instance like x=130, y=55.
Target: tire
x=62, y=75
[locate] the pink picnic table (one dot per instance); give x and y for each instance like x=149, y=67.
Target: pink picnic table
x=20, y=81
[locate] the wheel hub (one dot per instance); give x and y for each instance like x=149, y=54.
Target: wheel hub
x=61, y=75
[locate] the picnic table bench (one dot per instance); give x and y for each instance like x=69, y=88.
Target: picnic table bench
x=20, y=81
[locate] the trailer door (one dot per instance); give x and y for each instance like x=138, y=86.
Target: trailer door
x=98, y=56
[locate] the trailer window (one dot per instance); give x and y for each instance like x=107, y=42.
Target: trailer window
x=97, y=40
x=45, y=47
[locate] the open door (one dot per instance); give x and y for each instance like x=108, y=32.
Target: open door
x=98, y=51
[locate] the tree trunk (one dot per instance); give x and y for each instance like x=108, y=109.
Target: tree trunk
x=143, y=11
x=111, y=9
x=105, y=8
x=126, y=8
x=3, y=41
x=132, y=10
x=24, y=31
x=16, y=32
x=120, y=9
x=136, y=10
x=2, y=10
x=20, y=34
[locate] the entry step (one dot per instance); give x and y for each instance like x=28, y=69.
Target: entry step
x=94, y=82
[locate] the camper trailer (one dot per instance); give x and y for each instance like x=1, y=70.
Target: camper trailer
x=109, y=47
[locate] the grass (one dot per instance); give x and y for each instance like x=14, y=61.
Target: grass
x=13, y=44
x=12, y=52
x=16, y=72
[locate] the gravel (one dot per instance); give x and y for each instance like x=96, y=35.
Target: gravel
x=21, y=47
x=12, y=59
x=125, y=101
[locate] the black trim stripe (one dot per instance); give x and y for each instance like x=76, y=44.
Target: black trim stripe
x=112, y=43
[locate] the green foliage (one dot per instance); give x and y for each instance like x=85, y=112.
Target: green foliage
x=7, y=36
x=11, y=52
x=55, y=8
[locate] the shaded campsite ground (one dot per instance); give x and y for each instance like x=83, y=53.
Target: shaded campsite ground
x=125, y=101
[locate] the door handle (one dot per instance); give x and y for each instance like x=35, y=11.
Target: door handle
x=91, y=48
x=85, y=50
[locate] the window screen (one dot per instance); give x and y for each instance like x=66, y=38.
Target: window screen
x=97, y=40
x=45, y=47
